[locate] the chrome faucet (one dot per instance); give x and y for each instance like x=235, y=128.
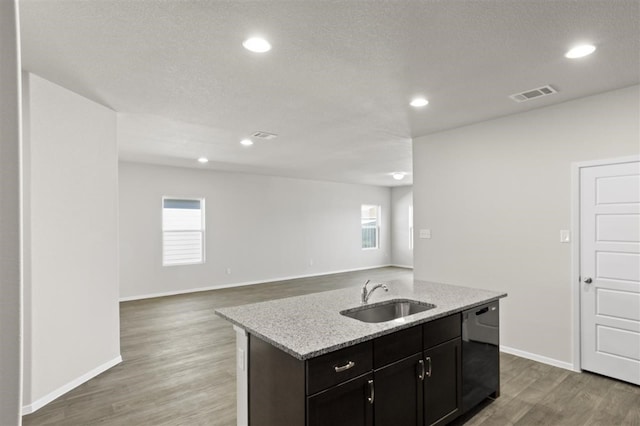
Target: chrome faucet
x=367, y=293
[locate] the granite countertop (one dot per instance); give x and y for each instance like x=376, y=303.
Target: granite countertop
x=311, y=325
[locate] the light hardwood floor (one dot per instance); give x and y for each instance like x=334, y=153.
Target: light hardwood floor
x=179, y=369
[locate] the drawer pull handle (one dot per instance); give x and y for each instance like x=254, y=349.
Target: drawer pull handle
x=422, y=372
x=429, y=368
x=341, y=368
x=372, y=394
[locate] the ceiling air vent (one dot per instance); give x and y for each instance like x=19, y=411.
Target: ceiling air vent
x=264, y=135
x=533, y=94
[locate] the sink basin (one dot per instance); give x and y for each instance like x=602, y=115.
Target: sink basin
x=387, y=311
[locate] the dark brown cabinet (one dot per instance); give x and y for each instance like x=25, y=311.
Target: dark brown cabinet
x=398, y=389
x=347, y=404
x=443, y=370
x=340, y=387
x=398, y=393
x=442, y=383
x=410, y=377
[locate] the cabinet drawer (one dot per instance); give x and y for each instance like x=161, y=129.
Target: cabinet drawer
x=440, y=330
x=338, y=366
x=396, y=346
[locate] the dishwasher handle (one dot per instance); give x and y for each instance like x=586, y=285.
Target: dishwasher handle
x=482, y=311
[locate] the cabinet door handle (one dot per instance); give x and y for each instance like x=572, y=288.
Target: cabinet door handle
x=372, y=393
x=429, y=367
x=341, y=368
x=421, y=374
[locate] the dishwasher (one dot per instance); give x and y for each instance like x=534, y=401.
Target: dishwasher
x=480, y=354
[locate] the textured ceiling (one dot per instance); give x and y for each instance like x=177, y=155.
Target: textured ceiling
x=337, y=83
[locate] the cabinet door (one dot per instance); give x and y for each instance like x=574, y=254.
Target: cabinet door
x=398, y=393
x=442, y=383
x=347, y=404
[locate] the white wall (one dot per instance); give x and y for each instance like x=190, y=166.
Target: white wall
x=496, y=195
x=401, y=201
x=71, y=246
x=10, y=294
x=263, y=228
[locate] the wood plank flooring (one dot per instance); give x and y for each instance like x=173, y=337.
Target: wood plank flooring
x=179, y=369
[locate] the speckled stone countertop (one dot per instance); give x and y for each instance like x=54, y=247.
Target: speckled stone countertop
x=311, y=325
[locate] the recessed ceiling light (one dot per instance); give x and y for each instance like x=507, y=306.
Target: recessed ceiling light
x=419, y=102
x=257, y=44
x=246, y=142
x=398, y=175
x=580, y=51
x=203, y=160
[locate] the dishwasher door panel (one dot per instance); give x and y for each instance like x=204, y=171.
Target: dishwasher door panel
x=480, y=354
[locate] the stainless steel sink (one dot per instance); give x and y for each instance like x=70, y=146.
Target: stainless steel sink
x=387, y=311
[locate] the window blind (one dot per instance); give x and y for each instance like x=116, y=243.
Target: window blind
x=182, y=231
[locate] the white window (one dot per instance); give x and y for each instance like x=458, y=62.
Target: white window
x=410, y=227
x=370, y=220
x=182, y=231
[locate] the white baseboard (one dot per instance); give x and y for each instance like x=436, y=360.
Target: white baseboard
x=538, y=358
x=41, y=402
x=245, y=283
x=401, y=266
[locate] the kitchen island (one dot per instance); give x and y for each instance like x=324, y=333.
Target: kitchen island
x=301, y=361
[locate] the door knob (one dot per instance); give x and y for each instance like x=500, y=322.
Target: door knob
x=588, y=280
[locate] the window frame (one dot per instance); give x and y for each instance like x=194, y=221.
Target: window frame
x=377, y=226
x=202, y=229
x=410, y=218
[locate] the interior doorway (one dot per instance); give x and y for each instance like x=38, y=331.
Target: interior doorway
x=607, y=273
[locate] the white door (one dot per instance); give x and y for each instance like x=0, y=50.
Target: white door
x=610, y=270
